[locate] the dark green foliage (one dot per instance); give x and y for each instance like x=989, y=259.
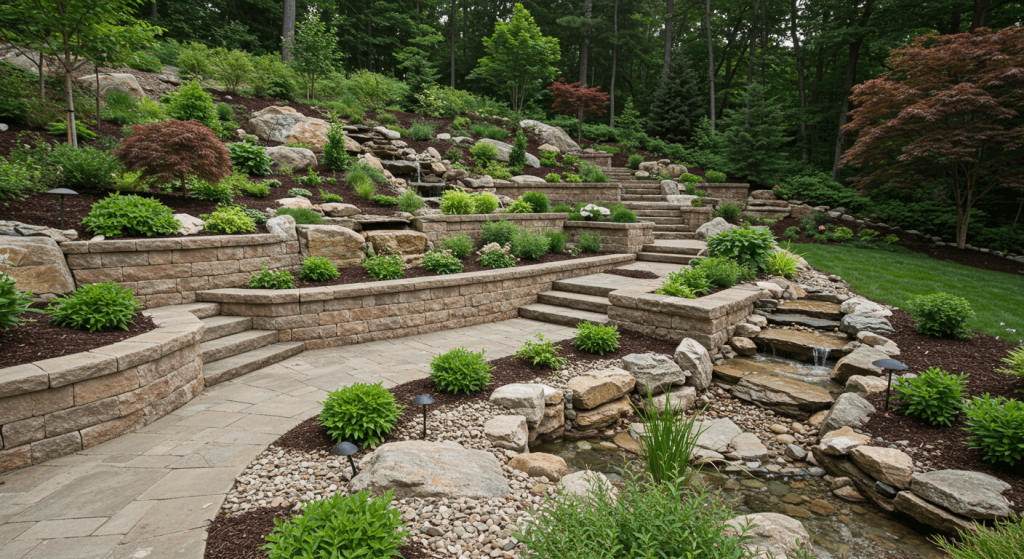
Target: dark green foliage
x=460, y=245
x=192, y=102
x=489, y=131
x=460, y=370
x=302, y=216
x=996, y=426
x=537, y=200
x=635, y=160
x=590, y=243
x=13, y=303
x=729, y=211
x=561, y=208
x=360, y=413
x=203, y=190
x=318, y=268
x=622, y=214
x=753, y=137
x=224, y=111
x=17, y=181
x=353, y=526
x=15, y=92
x=229, y=220
x=82, y=167
x=791, y=234
x=723, y=272
x=96, y=306
x=529, y=245
x=517, y=157
x=942, y=315
x=441, y=263
x=596, y=338
x=934, y=396
x=249, y=158
x=384, y=267
x=130, y=215
x=556, y=241
x=334, y=155
x=453, y=154
x=678, y=104
x=542, y=353
x=712, y=176
x=590, y=172
x=268, y=279
x=748, y=246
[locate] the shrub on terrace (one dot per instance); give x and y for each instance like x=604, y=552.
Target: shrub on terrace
x=95, y=307
x=172, y=150
x=942, y=315
x=360, y=413
x=130, y=215
x=460, y=370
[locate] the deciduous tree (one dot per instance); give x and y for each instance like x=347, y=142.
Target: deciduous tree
x=314, y=51
x=576, y=99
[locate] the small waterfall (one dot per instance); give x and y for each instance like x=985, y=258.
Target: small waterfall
x=820, y=355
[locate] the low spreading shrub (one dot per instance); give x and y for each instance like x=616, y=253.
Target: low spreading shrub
x=687, y=178
x=622, y=214
x=384, y=267
x=83, y=167
x=460, y=370
x=17, y=181
x=318, y=268
x=553, y=177
x=529, y=245
x=483, y=153
x=203, y=190
x=570, y=160
x=570, y=177
x=311, y=180
x=596, y=338
x=635, y=160
x=714, y=176
x=590, y=243
x=460, y=245
x=95, y=307
x=537, y=200
x=256, y=189
x=409, y=201
x=590, y=172
x=494, y=256
x=457, y=202
x=172, y=150
x=489, y=131
x=441, y=262
x=453, y=154
x=842, y=234
x=996, y=427
x=934, y=396
x=791, y=234
x=382, y=200
x=548, y=158
x=330, y=197
x=360, y=413
x=266, y=278
x=542, y=353
x=556, y=241
x=750, y=247
x=13, y=303
x=519, y=206
x=130, y=215
x=485, y=203
x=942, y=315
x=229, y=220
x=675, y=290
x=780, y=263
x=302, y=216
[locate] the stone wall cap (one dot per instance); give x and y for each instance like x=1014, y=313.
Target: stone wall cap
x=489, y=217
x=712, y=306
x=21, y=379
x=611, y=224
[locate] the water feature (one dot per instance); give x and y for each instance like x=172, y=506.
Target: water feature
x=816, y=374
x=820, y=356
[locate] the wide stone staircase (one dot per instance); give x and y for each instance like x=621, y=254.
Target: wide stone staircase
x=232, y=348
x=646, y=200
x=583, y=299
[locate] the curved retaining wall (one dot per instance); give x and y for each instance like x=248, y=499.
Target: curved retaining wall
x=58, y=406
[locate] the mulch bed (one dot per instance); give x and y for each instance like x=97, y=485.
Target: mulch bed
x=635, y=274
x=979, y=357
x=35, y=341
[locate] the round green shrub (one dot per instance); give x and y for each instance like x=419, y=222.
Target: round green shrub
x=934, y=396
x=82, y=167
x=942, y=315
x=519, y=206
x=493, y=256
x=635, y=160
x=249, y=159
x=384, y=267
x=723, y=272
x=192, y=102
x=749, y=246
x=360, y=413
x=729, y=211
x=460, y=370
x=553, y=177
x=500, y=232
x=13, y=303
x=318, y=268
x=229, y=220
x=596, y=338
x=556, y=241
x=96, y=306
x=590, y=243
x=441, y=263
x=409, y=201
x=537, y=200
x=460, y=245
x=117, y=216
x=622, y=214
x=483, y=153
x=485, y=203
x=529, y=245
x=996, y=427
x=457, y=202
x=714, y=176
x=299, y=192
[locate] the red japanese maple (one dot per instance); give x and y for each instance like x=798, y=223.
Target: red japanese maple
x=950, y=110
x=572, y=99
x=173, y=149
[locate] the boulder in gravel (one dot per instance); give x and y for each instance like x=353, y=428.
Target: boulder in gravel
x=853, y=324
x=508, y=431
x=680, y=399
x=888, y=465
x=850, y=410
x=292, y=158
x=865, y=386
x=603, y=415
x=747, y=448
x=654, y=373
x=694, y=358
x=430, y=469
x=599, y=387
x=716, y=434
x=524, y=399
x=551, y=135
x=585, y=482
x=712, y=228
x=972, y=494
x=858, y=363
x=537, y=464
x=773, y=534
x=840, y=446
x=786, y=396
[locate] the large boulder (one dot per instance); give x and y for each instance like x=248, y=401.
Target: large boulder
x=537, y=464
x=865, y=386
x=679, y=399
x=312, y=132
x=712, y=228
x=554, y=418
x=526, y=400
x=773, y=535
x=888, y=465
x=296, y=203
x=654, y=373
x=337, y=209
x=858, y=363
x=716, y=434
x=292, y=158
x=410, y=245
x=424, y=469
x=972, y=494
x=931, y=515
x=853, y=324
x=286, y=125
x=604, y=415
x=508, y=431
x=125, y=83
x=860, y=305
x=694, y=359
x=551, y=135
x=786, y=396
x=283, y=226
x=36, y=264
x=850, y=410
x=600, y=387
x=341, y=245
x=584, y=483
x=504, y=150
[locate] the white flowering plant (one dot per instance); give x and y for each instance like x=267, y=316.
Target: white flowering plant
x=593, y=212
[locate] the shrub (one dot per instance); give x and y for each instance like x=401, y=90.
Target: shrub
x=890, y=239
x=13, y=303
x=460, y=245
x=570, y=160
x=791, y=234
x=384, y=266
x=123, y=109
x=457, y=202
x=229, y=220
x=590, y=172
x=556, y=241
x=192, y=102
x=441, y=262
x=935, y=396
x=422, y=131
x=694, y=279
x=337, y=526
x=362, y=184
x=224, y=111
x=82, y=131
x=453, y=154
x=265, y=278
x=728, y=211
x=485, y=203
x=335, y=157
x=622, y=214
x=942, y=315
x=272, y=183
x=596, y=338
x=820, y=218
x=489, y=131
x=842, y=234
x=256, y=190
x=537, y=200
x=517, y=157
x=446, y=102
x=302, y=216
x=750, y=247
x=590, y=243
x=130, y=215
x=1014, y=362
x=387, y=118
x=256, y=215
x=483, y=153
x=781, y=263
x=1003, y=539
x=529, y=245
x=553, y=177
x=312, y=180
x=519, y=206
x=460, y=370
x=498, y=232
x=171, y=150
x=687, y=178
x=714, y=176
x=360, y=413
x=635, y=160
x=497, y=170
x=330, y=197
x=381, y=200
x=675, y=290
x=96, y=306
x=548, y=158
x=82, y=167
x=460, y=122
x=16, y=181
x=203, y=190
x=997, y=429
x=494, y=256
x=409, y=201
x=249, y=159
x=561, y=208
x=542, y=353
x=593, y=212
x=723, y=272
x=569, y=177
x=318, y=268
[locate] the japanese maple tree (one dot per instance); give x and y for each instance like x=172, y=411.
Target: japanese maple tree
x=174, y=149
x=950, y=111
x=572, y=99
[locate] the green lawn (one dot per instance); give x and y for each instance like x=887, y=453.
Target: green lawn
x=897, y=278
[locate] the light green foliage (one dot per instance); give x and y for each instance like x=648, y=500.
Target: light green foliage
x=494, y=256
x=590, y=243
x=694, y=280
x=1001, y=540
x=714, y=176
x=375, y=91
x=272, y=78
x=890, y=239
x=82, y=167
x=460, y=245
x=529, y=245
x=130, y=215
x=192, y=102
x=519, y=206
x=547, y=158
x=687, y=178
x=697, y=202
x=318, y=268
x=330, y=197
x=13, y=303
x=387, y=118
x=357, y=178
x=351, y=526
x=497, y=170
x=635, y=160
x=483, y=153
x=249, y=158
x=500, y=232
x=203, y=190
x=457, y=202
x=842, y=234
x=302, y=216
x=750, y=247
x=669, y=440
x=752, y=137
x=780, y=263
x=590, y=172
x=485, y=203
x=195, y=61
x=123, y=109
x=95, y=307
x=596, y=338
x=553, y=177
x=334, y=155
x=299, y=192
x=374, y=174
x=453, y=154
x=229, y=220
x=996, y=426
x=622, y=214
x=384, y=267
x=942, y=315
x=934, y=396
x=675, y=290
x=17, y=181
x=1014, y=363
x=723, y=272
x=381, y=200
x=312, y=180
x=570, y=160
x=422, y=130
x=441, y=262
x=517, y=157
x=572, y=177
x=269, y=279
x=360, y=413
x=446, y=102
x=729, y=211
x=538, y=201
x=542, y=353
x=556, y=241
x=409, y=201
x=460, y=370
x=314, y=50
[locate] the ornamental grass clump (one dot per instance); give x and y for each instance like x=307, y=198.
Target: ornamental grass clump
x=302, y=216
x=668, y=440
x=460, y=370
x=942, y=315
x=360, y=413
x=935, y=396
x=782, y=263
x=542, y=353
x=596, y=338
x=409, y=201
x=1014, y=363
x=95, y=307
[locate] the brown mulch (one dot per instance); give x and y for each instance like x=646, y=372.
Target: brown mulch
x=35, y=341
x=979, y=357
x=635, y=274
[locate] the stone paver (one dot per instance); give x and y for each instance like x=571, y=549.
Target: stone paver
x=152, y=492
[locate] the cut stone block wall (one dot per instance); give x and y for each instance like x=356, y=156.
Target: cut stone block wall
x=615, y=237
x=437, y=227
x=568, y=192
x=734, y=191
x=695, y=217
x=602, y=159
x=356, y=313
x=709, y=320
x=58, y=406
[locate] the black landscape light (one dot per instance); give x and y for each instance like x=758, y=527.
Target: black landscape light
x=890, y=365
x=423, y=400
x=62, y=192
x=346, y=449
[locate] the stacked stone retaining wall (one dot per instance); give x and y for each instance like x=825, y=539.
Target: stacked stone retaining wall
x=615, y=237
x=732, y=191
x=438, y=227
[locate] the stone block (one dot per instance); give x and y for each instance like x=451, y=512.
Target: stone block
x=15, y=458
x=22, y=379
x=103, y=387
x=92, y=436
x=603, y=415
x=77, y=367
x=78, y=417
x=36, y=264
x=600, y=387
x=338, y=244
x=55, y=447
x=23, y=432
x=508, y=431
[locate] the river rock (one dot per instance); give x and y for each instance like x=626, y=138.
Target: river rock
x=680, y=399
x=747, y=330
x=654, y=373
x=716, y=434
x=865, y=386
x=603, y=415
x=292, y=158
x=972, y=494
x=551, y=135
x=190, y=225
x=773, y=535
x=695, y=359
x=341, y=245
x=337, y=209
x=504, y=150
x=888, y=465
x=712, y=228
x=599, y=387
x=782, y=395
x=36, y=264
x=410, y=245
x=850, y=410
x=802, y=344
x=743, y=346
x=858, y=363
x=524, y=399
x=508, y=431
x=855, y=323
x=747, y=448
x=537, y=464
x=424, y=469
x=931, y=515
x=772, y=289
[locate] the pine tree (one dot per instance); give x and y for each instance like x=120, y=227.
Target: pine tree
x=628, y=128
x=678, y=104
x=517, y=157
x=753, y=137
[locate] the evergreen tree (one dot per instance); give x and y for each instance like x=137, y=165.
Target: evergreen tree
x=753, y=137
x=629, y=127
x=678, y=104
x=517, y=157
x=415, y=61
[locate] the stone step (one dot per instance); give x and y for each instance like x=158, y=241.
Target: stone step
x=244, y=363
x=561, y=315
x=691, y=249
x=656, y=213
x=674, y=236
x=228, y=346
x=787, y=319
x=598, y=285
x=200, y=310
x=813, y=309
x=682, y=259
x=669, y=228
x=578, y=301
x=651, y=205
x=664, y=219
x=221, y=326
x=633, y=198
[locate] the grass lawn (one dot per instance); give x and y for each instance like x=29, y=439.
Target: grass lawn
x=895, y=279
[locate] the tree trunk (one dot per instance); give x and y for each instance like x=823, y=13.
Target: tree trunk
x=42, y=77
x=711, y=58
x=615, y=60
x=72, y=131
x=851, y=75
x=799, y=73
x=97, y=69
x=667, y=58
x=152, y=10
x=585, y=46
x=288, y=29
x=980, y=13
x=753, y=44
x=455, y=29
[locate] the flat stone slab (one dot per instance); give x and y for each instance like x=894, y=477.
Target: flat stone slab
x=428, y=469
x=815, y=309
x=972, y=494
x=716, y=434
x=785, y=396
x=801, y=344
x=788, y=319
x=732, y=370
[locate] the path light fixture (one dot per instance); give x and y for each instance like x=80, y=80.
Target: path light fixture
x=346, y=449
x=890, y=365
x=62, y=192
x=423, y=400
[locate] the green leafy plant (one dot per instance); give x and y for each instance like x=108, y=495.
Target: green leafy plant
x=729, y=211
x=204, y=190
x=942, y=315
x=561, y=208
x=95, y=307
x=570, y=177
x=256, y=215
x=299, y=192
x=60, y=128
x=622, y=214
x=460, y=370
x=381, y=200
x=256, y=189
x=714, y=176
x=422, y=130
x=360, y=413
x=229, y=220
x=890, y=239
x=457, y=202
x=494, y=256
x=548, y=158
x=934, y=396
x=13, y=303
x=498, y=232
x=485, y=203
x=675, y=290
x=695, y=280
x=1001, y=540
x=318, y=268
x=780, y=263
x=82, y=167
x=17, y=181
x=517, y=156
x=312, y=180
x=330, y=197
x=441, y=262
x=224, y=111
x=697, y=202
x=384, y=266
x=519, y=206
x=596, y=338
x=302, y=216
x=723, y=272
x=460, y=245
x=529, y=245
x=489, y=131
x=687, y=178
x=271, y=183
x=537, y=200
x=362, y=184
x=996, y=427
x=339, y=526
x=590, y=172
x=266, y=278
x=542, y=353
x=335, y=157
x=1014, y=363
x=387, y=118
x=192, y=102
x=590, y=243
x=635, y=160
x=842, y=234
x=453, y=154
x=570, y=160
x=556, y=241
x=553, y=177
x=750, y=247
x=409, y=201
x=483, y=153
x=791, y=234
x=130, y=215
